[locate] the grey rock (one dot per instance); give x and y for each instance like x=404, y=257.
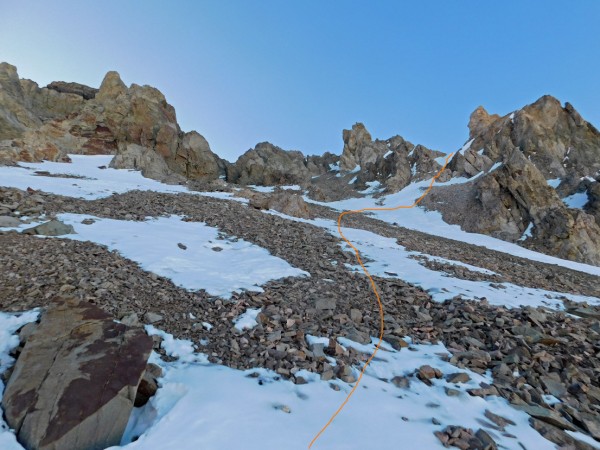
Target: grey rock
x=9, y=221
x=325, y=304
x=152, y=317
x=486, y=440
x=357, y=336
x=51, y=228
x=546, y=415
x=459, y=377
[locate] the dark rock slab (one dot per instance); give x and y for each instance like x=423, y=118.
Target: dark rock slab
x=75, y=382
x=73, y=88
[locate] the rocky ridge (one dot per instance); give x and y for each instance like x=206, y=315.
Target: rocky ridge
x=521, y=200
x=134, y=123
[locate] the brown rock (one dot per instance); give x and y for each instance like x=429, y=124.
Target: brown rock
x=75, y=382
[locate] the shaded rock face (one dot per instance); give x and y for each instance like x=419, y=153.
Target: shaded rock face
x=269, y=165
x=48, y=123
x=73, y=88
x=505, y=201
x=540, y=142
x=75, y=381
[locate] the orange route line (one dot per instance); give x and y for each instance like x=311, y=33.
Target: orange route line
x=381, y=315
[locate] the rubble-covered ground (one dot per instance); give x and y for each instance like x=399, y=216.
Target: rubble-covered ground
x=479, y=343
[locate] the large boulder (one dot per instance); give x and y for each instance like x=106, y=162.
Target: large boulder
x=283, y=201
x=74, y=384
x=150, y=163
x=51, y=228
x=268, y=165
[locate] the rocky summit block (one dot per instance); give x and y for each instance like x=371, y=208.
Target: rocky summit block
x=75, y=382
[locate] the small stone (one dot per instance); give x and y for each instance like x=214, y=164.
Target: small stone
x=483, y=391
x=274, y=336
x=498, y=420
x=151, y=317
x=443, y=437
x=146, y=389
x=216, y=249
x=285, y=408
x=88, y=221
x=458, y=377
x=554, y=386
x=356, y=316
x=325, y=304
x=401, y=382
x=357, y=336
x=452, y=392
x=396, y=342
x=327, y=375
x=183, y=246
x=426, y=373
x=486, y=440
x=591, y=424
x=9, y=221
x=131, y=320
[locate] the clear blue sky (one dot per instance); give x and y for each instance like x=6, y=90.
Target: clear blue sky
x=297, y=73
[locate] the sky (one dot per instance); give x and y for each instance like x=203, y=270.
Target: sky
x=297, y=73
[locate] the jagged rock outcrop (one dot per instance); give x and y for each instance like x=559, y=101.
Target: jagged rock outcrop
x=394, y=162
x=135, y=123
x=74, y=383
x=556, y=139
x=512, y=157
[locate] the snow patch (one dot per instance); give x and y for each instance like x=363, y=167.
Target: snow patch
x=527, y=233
x=373, y=188
x=466, y=147
x=247, y=320
x=95, y=182
x=197, y=405
x=221, y=266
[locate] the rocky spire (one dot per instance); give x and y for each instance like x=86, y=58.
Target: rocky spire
x=479, y=120
x=112, y=86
